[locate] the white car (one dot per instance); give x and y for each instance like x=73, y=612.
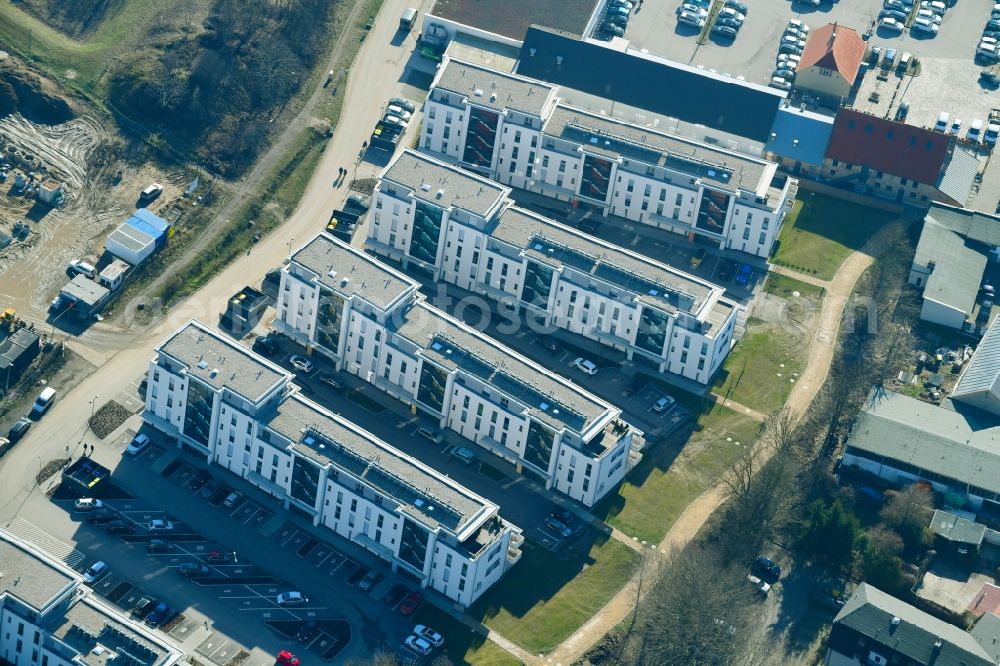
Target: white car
x=986, y=49
x=794, y=41
x=137, y=445
x=936, y=6
x=891, y=24
x=398, y=111
x=956, y=126
x=301, y=363
x=291, y=598
x=88, y=504
x=795, y=32
x=789, y=58
x=585, y=365
x=78, y=267
x=929, y=15
x=159, y=525
x=761, y=586
x=429, y=635
x=798, y=25
x=693, y=9
x=975, y=134
x=94, y=572
x=924, y=25
x=418, y=645
x=780, y=83
x=691, y=19
x=395, y=120
x=729, y=12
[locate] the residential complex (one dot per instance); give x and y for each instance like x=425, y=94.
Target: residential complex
x=50, y=618
x=463, y=229
x=517, y=131
x=370, y=321
x=245, y=414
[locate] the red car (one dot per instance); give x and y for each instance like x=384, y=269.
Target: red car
x=286, y=658
x=411, y=603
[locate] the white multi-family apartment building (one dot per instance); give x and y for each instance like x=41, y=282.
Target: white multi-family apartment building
x=515, y=130
x=463, y=229
x=49, y=617
x=371, y=321
x=244, y=413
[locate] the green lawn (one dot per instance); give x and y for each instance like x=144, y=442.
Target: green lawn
x=761, y=370
x=673, y=473
x=785, y=287
x=544, y=599
x=821, y=232
x=463, y=646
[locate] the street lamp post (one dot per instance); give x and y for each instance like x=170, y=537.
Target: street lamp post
x=90, y=423
x=290, y=240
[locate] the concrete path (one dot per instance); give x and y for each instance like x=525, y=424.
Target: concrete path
x=738, y=407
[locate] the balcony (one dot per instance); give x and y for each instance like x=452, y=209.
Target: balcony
x=669, y=223
x=393, y=389
x=385, y=250
x=513, y=556
x=608, y=338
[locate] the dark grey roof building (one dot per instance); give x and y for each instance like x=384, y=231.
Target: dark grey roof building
x=876, y=628
x=656, y=84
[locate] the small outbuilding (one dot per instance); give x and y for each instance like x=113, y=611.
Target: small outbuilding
x=16, y=354
x=85, y=297
x=113, y=275
x=138, y=237
x=50, y=192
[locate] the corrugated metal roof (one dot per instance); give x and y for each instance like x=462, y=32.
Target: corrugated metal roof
x=957, y=529
x=972, y=224
x=979, y=383
x=872, y=613
x=960, y=446
x=151, y=218
x=800, y=135
x=959, y=173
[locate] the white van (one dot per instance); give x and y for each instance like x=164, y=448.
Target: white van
x=44, y=401
x=408, y=18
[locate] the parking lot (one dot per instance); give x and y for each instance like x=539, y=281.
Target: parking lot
x=237, y=594
x=654, y=28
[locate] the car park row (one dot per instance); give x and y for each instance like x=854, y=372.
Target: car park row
x=793, y=44
x=615, y=21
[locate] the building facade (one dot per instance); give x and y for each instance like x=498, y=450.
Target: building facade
x=553, y=274
x=515, y=131
x=830, y=62
x=244, y=414
x=48, y=617
x=370, y=321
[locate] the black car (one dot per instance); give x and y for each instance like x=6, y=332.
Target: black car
x=193, y=569
x=767, y=568
x=724, y=31
x=612, y=29
x=120, y=527
x=159, y=546
x=265, y=345
x=18, y=430
x=306, y=633
x=102, y=516
x=738, y=6
x=726, y=269
x=616, y=19
x=393, y=596
x=564, y=516
x=333, y=383
x=728, y=23
x=144, y=606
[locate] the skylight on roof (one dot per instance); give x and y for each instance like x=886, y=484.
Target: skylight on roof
x=436, y=346
x=544, y=406
x=202, y=364
x=539, y=247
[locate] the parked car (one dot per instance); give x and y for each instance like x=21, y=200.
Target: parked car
x=95, y=571
x=557, y=528
x=744, y=273
x=159, y=546
x=956, y=127
x=795, y=32
x=232, y=499
x=975, y=134
x=793, y=40
x=291, y=598
x=411, y=603
x=120, y=527
x=726, y=267
x=663, y=404
x=942, y=122
x=890, y=58
x=615, y=30
x=158, y=614
x=286, y=658
x=767, y=567
x=266, y=345
x=741, y=8
x=144, y=606
x=151, y=192
x=405, y=103
x=160, y=525
x=891, y=24
x=398, y=111
x=102, y=516
x=418, y=645
x=397, y=592
x=895, y=5
x=798, y=25
x=923, y=25
x=19, y=429
x=193, y=569
x=728, y=23
x=794, y=60
x=780, y=83
x=790, y=48
x=429, y=635
x=395, y=120
x=220, y=557
x=783, y=72
x=892, y=14
x=88, y=504
x=694, y=9
x=137, y=445
x=691, y=19
x=724, y=31
x=698, y=257
x=370, y=580
x=585, y=366
x=333, y=383
x=929, y=15
x=732, y=13
x=992, y=133
x=79, y=267
x=301, y=363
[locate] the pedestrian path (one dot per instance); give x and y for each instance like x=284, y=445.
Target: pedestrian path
x=28, y=531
